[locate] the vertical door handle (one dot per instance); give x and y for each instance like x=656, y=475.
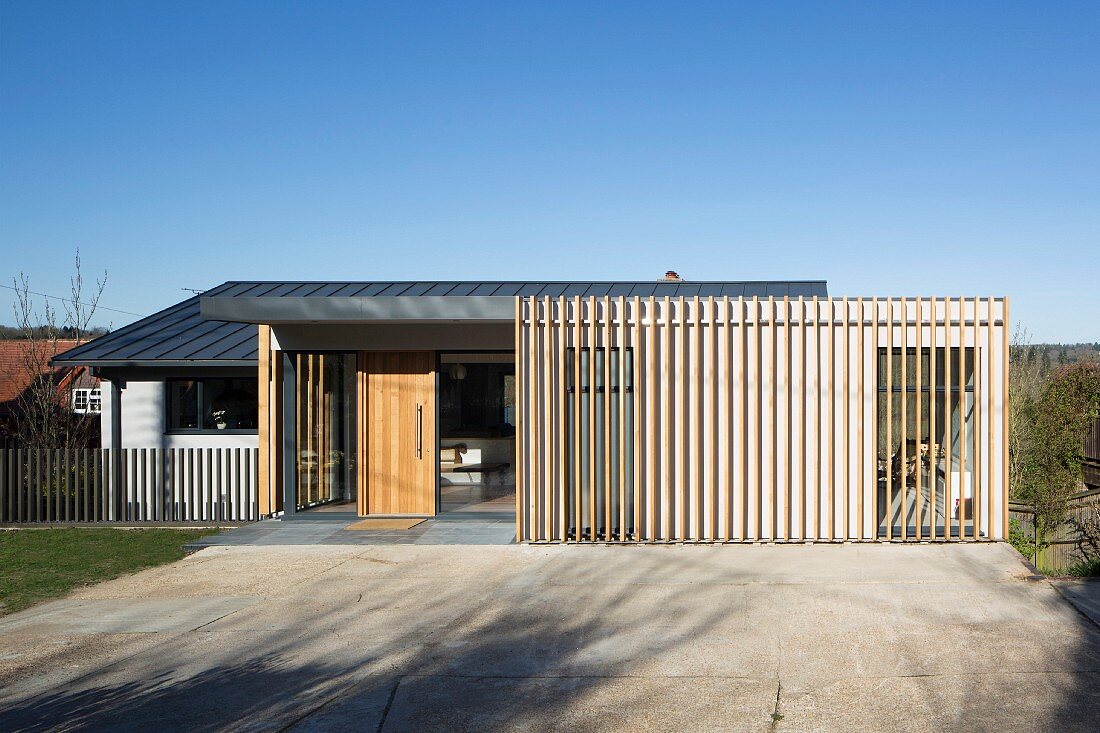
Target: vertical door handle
x=419, y=431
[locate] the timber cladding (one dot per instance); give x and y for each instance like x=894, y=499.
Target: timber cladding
x=762, y=419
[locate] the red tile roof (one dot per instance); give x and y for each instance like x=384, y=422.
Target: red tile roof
x=14, y=377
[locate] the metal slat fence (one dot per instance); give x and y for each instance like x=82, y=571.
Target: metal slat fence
x=128, y=485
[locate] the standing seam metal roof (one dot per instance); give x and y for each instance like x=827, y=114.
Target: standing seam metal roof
x=508, y=288
x=179, y=334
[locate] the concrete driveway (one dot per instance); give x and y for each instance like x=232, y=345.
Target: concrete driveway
x=450, y=638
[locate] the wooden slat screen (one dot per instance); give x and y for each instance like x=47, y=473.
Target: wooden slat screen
x=755, y=419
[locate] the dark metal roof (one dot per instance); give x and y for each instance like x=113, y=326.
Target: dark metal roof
x=510, y=288
x=179, y=335
x=175, y=335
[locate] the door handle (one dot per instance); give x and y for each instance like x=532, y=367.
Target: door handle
x=419, y=431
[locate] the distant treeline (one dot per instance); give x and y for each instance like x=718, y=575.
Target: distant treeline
x=1054, y=355
x=13, y=332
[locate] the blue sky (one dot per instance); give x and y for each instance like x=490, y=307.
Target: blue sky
x=950, y=148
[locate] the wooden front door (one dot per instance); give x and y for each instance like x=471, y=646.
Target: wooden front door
x=397, y=466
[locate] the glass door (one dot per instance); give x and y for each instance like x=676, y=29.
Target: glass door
x=324, y=432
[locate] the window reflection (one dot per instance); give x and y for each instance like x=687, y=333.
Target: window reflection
x=213, y=403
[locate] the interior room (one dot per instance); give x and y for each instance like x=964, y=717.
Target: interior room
x=477, y=432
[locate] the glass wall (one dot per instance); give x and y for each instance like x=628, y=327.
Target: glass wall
x=477, y=400
x=324, y=435
x=477, y=431
x=926, y=441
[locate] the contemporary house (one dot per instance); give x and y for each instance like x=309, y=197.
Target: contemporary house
x=659, y=411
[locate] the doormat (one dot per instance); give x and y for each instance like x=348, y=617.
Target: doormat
x=385, y=523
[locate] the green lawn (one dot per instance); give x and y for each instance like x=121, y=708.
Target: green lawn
x=39, y=564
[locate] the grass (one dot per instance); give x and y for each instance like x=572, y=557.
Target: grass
x=40, y=564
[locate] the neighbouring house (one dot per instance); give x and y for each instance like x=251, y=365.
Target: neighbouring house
x=658, y=411
x=75, y=383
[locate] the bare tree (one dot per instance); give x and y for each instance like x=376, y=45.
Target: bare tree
x=1026, y=376
x=44, y=416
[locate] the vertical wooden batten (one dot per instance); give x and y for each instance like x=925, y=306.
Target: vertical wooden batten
x=830, y=435
x=949, y=423
x=872, y=468
x=561, y=333
x=773, y=415
x=264, y=487
x=1005, y=418
x=845, y=422
x=789, y=424
x=933, y=435
x=918, y=500
x=723, y=446
x=962, y=422
x=888, y=457
x=803, y=391
x=651, y=381
x=989, y=417
x=521, y=422
x=904, y=446
x=578, y=466
x=742, y=494
x=977, y=448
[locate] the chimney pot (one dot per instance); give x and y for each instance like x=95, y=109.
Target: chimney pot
x=672, y=275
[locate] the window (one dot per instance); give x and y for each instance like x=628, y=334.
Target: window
x=213, y=403
x=926, y=439
x=87, y=401
x=477, y=400
x=592, y=413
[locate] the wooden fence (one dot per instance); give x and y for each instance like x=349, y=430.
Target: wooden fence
x=1068, y=546
x=128, y=485
x=1090, y=457
x=714, y=419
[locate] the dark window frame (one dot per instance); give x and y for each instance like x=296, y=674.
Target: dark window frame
x=200, y=401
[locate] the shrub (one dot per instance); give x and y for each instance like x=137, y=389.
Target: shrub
x=1085, y=569
x=1025, y=544
x=1050, y=466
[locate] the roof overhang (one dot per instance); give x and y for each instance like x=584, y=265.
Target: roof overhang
x=119, y=363
x=367, y=309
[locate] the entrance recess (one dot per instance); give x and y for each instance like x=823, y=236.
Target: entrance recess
x=397, y=433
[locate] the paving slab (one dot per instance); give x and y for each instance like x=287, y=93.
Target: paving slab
x=124, y=615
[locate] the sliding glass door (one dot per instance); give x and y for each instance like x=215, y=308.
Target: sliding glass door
x=324, y=431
